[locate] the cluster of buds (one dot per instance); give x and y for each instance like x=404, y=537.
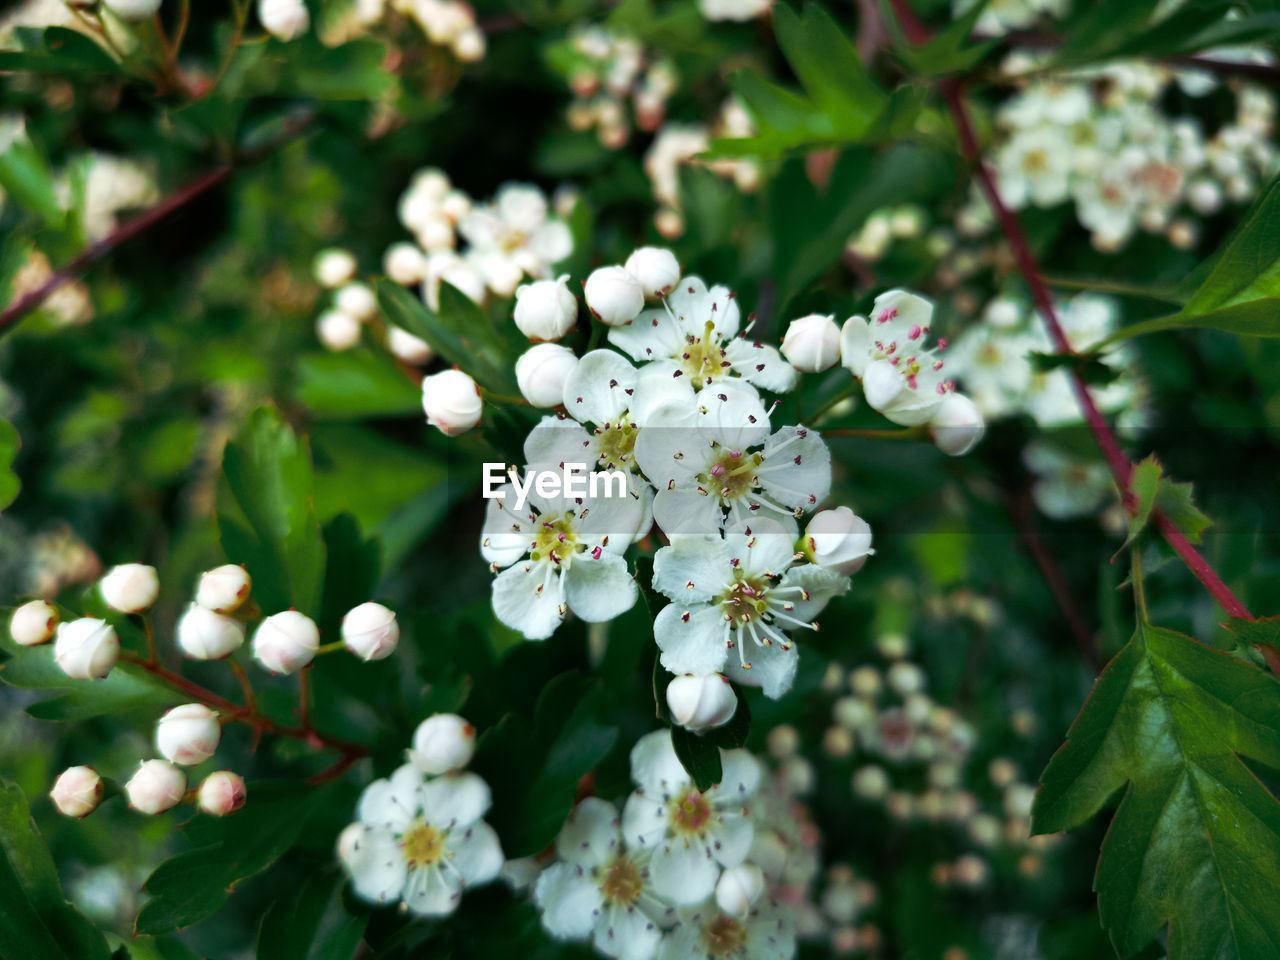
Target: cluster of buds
x=885, y=227
x=604, y=70
x=353, y=306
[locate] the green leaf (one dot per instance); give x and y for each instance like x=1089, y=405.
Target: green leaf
x=36, y=921
x=699, y=757
x=828, y=66
x=1144, y=483
x=1152, y=489
x=193, y=885
x=25, y=175
x=56, y=50
x=311, y=925
x=266, y=519
x=946, y=53
x=356, y=384
x=1174, y=500
x=10, y=443
x=1195, y=843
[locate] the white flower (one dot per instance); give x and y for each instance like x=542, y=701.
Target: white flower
x=133, y=9
x=357, y=300
x=33, y=623
x=957, y=425
x=286, y=642
x=695, y=334
x=545, y=310
x=740, y=592
x=422, y=841
x=370, y=631
x=705, y=933
x=614, y=296
x=451, y=401
x=656, y=269
x=430, y=208
x=338, y=331
x=333, y=268
x=86, y=649
x=405, y=263
x=838, y=539
x=717, y=463
x=130, y=587
x=701, y=703
x=812, y=343
x=221, y=793
x=77, y=791
x=223, y=589
x=542, y=371
x=1066, y=486
x=692, y=834
x=1034, y=167
x=188, y=734
x=514, y=237
x=443, y=742
x=405, y=346
x=156, y=787
x=459, y=272
x=599, y=888
x=740, y=889
x=561, y=554
x=206, y=635
x=284, y=19
x=739, y=10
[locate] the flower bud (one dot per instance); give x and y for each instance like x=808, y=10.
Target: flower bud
x=545, y=310
x=613, y=296
x=1205, y=197
x=542, y=371
x=223, y=589
x=441, y=743
x=188, y=734
x=871, y=782
x=33, y=623
x=370, y=631
x=739, y=888
x=436, y=232
x=284, y=19
x=333, y=268
x=130, y=587
x=701, y=703
x=656, y=269
x=285, y=642
x=337, y=330
x=86, y=649
x=957, y=425
x=133, y=9
x=452, y=402
x=906, y=678
x=156, y=787
x=470, y=45
x=405, y=346
x=358, y=300
x=838, y=539
x=221, y=793
x=812, y=343
x=77, y=791
x=405, y=263
x=205, y=635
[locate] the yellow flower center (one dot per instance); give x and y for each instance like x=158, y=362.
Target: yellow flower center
x=615, y=444
x=745, y=600
x=422, y=844
x=1035, y=161
x=555, y=541
x=691, y=814
x=724, y=937
x=702, y=357
x=622, y=884
x=731, y=474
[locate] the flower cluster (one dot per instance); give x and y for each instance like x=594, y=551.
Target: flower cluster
x=420, y=838
x=446, y=23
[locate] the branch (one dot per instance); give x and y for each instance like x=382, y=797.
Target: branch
x=953, y=92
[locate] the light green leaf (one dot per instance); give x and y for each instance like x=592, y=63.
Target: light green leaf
x=9, y=446
x=25, y=176
x=355, y=384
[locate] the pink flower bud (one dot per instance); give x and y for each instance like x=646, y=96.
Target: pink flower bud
x=370, y=631
x=223, y=589
x=188, y=734
x=451, y=401
x=77, y=791
x=286, y=642
x=221, y=793
x=86, y=649
x=156, y=787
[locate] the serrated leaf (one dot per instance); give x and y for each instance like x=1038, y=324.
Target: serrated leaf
x=36, y=921
x=828, y=66
x=193, y=885
x=266, y=518
x=1152, y=489
x=1144, y=484
x=10, y=443
x=1195, y=842
x=946, y=52
x=1174, y=500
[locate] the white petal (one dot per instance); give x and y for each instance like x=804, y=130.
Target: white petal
x=569, y=900
x=655, y=767
x=650, y=336
x=822, y=585
x=760, y=546
x=507, y=534
x=617, y=518
x=686, y=512
x=600, y=388
x=740, y=779
x=732, y=414
x=761, y=365
x=731, y=839
x=553, y=442
x=432, y=892
x=589, y=837
x=455, y=799
x=692, y=639
x=477, y=854
x=855, y=345
x=693, y=569
x=521, y=605
x=626, y=934
x=392, y=803
x=685, y=875
x=644, y=819
x=599, y=590
x=797, y=468
x=377, y=867
x=773, y=668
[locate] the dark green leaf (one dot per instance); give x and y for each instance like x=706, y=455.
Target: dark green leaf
x=56, y=50
x=699, y=757
x=9, y=445
x=311, y=925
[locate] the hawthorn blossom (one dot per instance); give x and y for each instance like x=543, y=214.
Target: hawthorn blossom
x=513, y=236
x=421, y=840
x=691, y=834
x=733, y=600
x=600, y=889
x=765, y=933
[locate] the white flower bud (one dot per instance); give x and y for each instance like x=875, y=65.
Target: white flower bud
x=838, y=539
x=957, y=425
x=656, y=269
x=470, y=45
x=223, y=589
x=701, y=703
x=613, y=296
x=837, y=742
x=205, y=635
x=333, y=268
x=33, y=623
x=436, y=233
x=782, y=741
x=286, y=642
x=455, y=205
x=405, y=263
x=452, y=402
x=870, y=782
x=1002, y=771
x=156, y=787
x=865, y=682
x=357, y=300
x=86, y=649
x=970, y=871
x=812, y=343
x=739, y=889
x=542, y=371
x=545, y=310
x=906, y=678
x=337, y=330
x=796, y=775
x=1205, y=197
x=1183, y=234
x=188, y=734
x=221, y=793
x=133, y=9
x=370, y=631
x=284, y=19
x=130, y=587
x=77, y=791
x=405, y=346
x=441, y=743
x=1019, y=798
x=1002, y=312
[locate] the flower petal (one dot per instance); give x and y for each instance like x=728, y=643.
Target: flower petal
x=569, y=900
x=590, y=835
x=684, y=874
x=529, y=597
x=599, y=590
x=477, y=854
x=455, y=800
x=601, y=387
x=692, y=639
